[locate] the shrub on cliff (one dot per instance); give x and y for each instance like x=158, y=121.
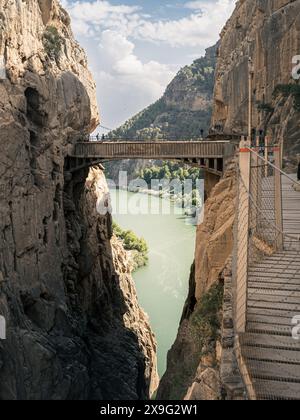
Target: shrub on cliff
x=205, y=320
x=52, y=42
x=265, y=107
x=132, y=243
x=287, y=90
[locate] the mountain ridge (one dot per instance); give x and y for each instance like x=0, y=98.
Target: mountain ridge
x=183, y=111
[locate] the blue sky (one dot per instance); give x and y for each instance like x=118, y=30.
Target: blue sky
x=135, y=48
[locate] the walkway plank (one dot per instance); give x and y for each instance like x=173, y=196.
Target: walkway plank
x=275, y=371
x=263, y=328
x=270, y=341
x=295, y=309
x=271, y=354
x=272, y=390
x=271, y=276
x=274, y=270
x=271, y=312
x=273, y=286
x=271, y=320
x=288, y=299
x=273, y=292
x=278, y=355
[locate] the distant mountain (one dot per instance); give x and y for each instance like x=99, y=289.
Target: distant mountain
x=184, y=109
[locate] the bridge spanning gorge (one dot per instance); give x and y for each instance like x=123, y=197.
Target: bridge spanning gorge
x=209, y=155
x=266, y=255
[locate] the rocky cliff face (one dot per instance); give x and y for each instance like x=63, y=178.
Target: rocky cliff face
x=193, y=370
x=74, y=327
x=269, y=32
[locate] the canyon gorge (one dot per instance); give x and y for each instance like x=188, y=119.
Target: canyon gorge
x=66, y=289
x=75, y=329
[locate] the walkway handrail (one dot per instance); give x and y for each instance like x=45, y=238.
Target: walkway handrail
x=260, y=238
x=252, y=150
x=259, y=222
x=283, y=174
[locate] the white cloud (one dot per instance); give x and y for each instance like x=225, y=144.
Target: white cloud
x=202, y=4
x=126, y=85
x=115, y=45
x=127, y=78
x=89, y=18
x=98, y=10
x=194, y=5
x=152, y=77
x=201, y=27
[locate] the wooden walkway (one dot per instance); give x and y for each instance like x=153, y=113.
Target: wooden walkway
x=270, y=354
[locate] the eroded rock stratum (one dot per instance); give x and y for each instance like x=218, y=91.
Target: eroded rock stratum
x=75, y=330
x=269, y=32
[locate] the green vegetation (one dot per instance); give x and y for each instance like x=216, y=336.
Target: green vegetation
x=184, y=110
x=169, y=170
x=205, y=320
x=163, y=121
x=139, y=122
x=173, y=171
x=174, y=116
x=287, y=90
x=131, y=242
x=199, y=339
x=52, y=42
x=265, y=107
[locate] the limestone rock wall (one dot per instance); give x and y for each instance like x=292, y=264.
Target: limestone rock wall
x=269, y=32
x=214, y=239
x=74, y=327
x=193, y=370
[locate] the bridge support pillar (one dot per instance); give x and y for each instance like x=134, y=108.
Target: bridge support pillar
x=242, y=233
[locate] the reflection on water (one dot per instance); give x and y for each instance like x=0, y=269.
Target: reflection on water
x=162, y=286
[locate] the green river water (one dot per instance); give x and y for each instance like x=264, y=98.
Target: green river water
x=162, y=285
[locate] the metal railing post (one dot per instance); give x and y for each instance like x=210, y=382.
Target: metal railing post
x=267, y=142
x=243, y=235
x=278, y=198
x=256, y=190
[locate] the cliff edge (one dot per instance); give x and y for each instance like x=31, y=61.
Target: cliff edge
x=74, y=327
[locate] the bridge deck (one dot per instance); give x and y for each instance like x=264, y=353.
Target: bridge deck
x=153, y=150
x=270, y=353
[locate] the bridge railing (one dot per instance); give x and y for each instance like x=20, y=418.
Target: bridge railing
x=153, y=149
x=259, y=233
x=258, y=229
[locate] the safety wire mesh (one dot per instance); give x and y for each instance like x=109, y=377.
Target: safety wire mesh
x=266, y=279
